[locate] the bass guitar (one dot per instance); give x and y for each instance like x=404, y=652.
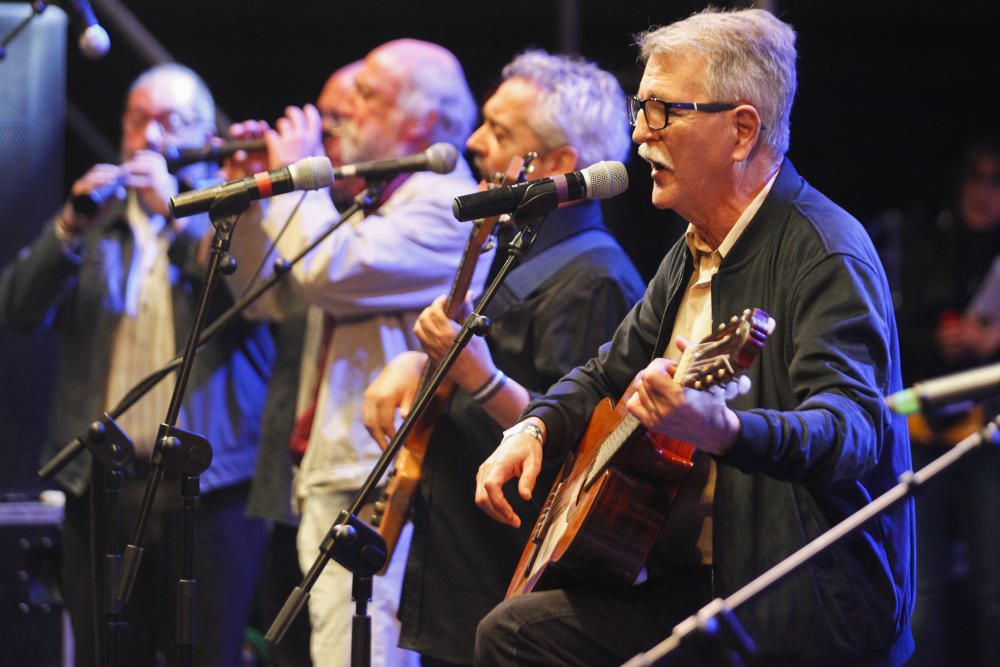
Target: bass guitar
x=392, y=510
x=613, y=494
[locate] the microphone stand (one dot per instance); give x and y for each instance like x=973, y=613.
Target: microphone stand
x=282, y=267
x=184, y=452
x=714, y=627
x=111, y=448
x=352, y=542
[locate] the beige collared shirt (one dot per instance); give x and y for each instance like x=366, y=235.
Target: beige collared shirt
x=144, y=338
x=690, y=522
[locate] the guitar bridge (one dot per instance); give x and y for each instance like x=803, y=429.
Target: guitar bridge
x=543, y=518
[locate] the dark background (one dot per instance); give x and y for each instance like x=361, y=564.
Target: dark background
x=889, y=92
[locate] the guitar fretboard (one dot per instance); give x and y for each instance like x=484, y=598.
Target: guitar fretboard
x=630, y=423
x=610, y=446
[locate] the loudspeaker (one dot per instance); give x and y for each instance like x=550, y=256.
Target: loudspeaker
x=32, y=113
x=33, y=81
x=32, y=617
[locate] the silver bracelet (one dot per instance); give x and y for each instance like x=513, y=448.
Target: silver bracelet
x=525, y=427
x=491, y=388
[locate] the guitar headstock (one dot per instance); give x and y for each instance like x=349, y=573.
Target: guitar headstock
x=726, y=354
x=518, y=169
x=482, y=236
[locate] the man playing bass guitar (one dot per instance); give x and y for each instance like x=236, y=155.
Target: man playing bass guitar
x=560, y=304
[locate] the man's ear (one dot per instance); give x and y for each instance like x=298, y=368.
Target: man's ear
x=417, y=130
x=561, y=160
x=748, y=131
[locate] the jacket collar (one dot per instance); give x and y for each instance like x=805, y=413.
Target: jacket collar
x=775, y=208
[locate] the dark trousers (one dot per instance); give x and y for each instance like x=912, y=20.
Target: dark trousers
x=434, y=662
x=227, y=556
x=955, y=623
x=280, y=574
x=587, y=627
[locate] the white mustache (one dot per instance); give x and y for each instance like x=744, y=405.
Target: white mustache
x=653, y=157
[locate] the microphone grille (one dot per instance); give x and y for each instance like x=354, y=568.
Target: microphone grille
x=604, y=179
x=441, y=158
x=311, y=173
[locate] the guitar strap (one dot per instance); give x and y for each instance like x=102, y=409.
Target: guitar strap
x=526, y=278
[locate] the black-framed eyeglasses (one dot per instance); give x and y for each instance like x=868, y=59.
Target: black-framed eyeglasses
x=657, y=111
x=171, y=122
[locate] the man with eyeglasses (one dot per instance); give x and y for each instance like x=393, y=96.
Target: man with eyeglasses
x=118, y=284
x=810, y=442
x=367, y=282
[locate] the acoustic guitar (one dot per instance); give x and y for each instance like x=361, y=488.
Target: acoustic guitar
x=613, y=494
x=392, y=510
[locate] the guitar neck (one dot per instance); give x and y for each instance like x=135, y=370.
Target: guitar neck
x=460, y=284
x=481, y=231
x=629, y=424
x=612, y=444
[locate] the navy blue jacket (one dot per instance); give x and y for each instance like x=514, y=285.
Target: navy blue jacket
x=817, y=442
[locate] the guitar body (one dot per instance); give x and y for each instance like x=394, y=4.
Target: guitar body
x=602, y=528
x=392, y=511
x=614, y=494
x=955, y=430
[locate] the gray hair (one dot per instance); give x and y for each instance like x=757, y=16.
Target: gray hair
x=439, y=86
x=204, y=103
x=581, y=105
x=751, y=57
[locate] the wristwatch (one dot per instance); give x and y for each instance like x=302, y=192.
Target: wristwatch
x=525, y=427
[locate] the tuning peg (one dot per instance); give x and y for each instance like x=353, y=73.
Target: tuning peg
x=744, y=384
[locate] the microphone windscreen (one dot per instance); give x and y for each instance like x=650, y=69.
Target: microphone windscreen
x=94, y=42
x=311, y=173
x=604, y=179
x=442, y=158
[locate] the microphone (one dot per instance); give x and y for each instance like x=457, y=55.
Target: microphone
x=311, y=173
x=940, y=392
x=439, y=158
x=598, y=181
x=94, y=41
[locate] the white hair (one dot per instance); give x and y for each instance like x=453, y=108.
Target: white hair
x=751, y=58
x=438, y=85
x=203, y=104
x=581, y=105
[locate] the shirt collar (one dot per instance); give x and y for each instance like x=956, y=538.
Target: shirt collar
x=140, y=221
